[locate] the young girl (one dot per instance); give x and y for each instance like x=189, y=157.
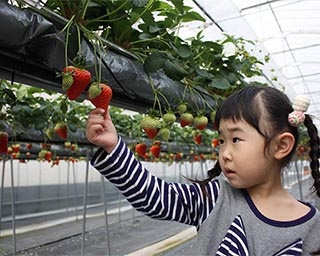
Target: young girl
x=242, y=208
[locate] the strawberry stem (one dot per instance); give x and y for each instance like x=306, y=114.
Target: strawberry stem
x=67, y=27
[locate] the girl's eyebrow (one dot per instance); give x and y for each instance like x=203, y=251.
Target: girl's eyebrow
x=232, y=129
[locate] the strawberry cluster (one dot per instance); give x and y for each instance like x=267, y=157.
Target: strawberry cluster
x=75, y=81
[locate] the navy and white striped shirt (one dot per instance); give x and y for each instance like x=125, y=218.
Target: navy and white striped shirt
x=235, y=227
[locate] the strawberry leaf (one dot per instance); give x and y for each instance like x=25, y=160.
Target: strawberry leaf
x=154, y=62
x=220, y=83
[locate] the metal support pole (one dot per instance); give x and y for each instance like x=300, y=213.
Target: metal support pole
x=68, y=186
x=299, y=180
x=105, y=214
x=13, y=212
x=84, y=215
x=75, y=190
x=2, y=185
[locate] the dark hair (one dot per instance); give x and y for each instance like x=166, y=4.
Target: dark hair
x=267, y=110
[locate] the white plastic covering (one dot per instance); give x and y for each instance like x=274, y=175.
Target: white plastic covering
x=288, y=30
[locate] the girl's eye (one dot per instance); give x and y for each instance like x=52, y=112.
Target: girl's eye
x=221, y=141
x=235, y=140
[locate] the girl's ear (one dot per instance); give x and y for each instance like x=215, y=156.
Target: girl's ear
x=284, y=144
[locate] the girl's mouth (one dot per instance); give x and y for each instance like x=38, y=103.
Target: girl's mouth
x=229, y=172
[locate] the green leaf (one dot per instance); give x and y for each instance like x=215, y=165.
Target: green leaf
x=184, y=51
x=218, y=48
x=174, y=70
x=192, y=16
x=178, y=4
x=202, y=74
x=139, y=3
x=154, y=62
x=64, y=107
x=9, y=93
x=220, y=83
x=230, y=76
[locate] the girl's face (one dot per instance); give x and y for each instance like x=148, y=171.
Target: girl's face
x=242, y=155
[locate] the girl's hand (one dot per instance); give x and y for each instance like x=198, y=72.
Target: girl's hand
x=100, y=129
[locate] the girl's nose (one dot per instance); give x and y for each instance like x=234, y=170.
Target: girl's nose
x=225, y=154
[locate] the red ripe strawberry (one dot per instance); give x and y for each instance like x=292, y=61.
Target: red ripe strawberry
x=100, y=95
x=15, y=148
x=197, y=137
x=4, y=138
x=186, y=119
x=29, y=146
x=151, y=126
x=61, y=130
x=215, y=142
x=155, y=150
x=200, y=122
x=81, y=79
x=141, y=149
x=48, y=156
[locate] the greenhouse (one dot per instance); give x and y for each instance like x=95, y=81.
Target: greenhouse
x=155, y=127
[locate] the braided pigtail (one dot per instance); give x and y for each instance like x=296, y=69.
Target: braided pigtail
x=215, y=171
x=314, y=152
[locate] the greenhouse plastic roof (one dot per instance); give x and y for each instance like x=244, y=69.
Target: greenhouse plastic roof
x=288, y=30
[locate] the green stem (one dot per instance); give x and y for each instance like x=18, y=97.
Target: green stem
x=102, y=20
x=119, y=8
x=165, y=99
x=84, y=10
x=79, y=38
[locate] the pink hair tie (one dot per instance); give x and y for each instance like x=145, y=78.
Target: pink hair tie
x=300, y=105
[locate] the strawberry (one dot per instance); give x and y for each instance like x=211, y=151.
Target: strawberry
x=81, y=79
x=48, y=156
x=61, y=130
x=100, y=95
x=141, y=149
x=67, y=81
x=15, y=148
x=215, y=143
x=169, y=118
x=197, y=137
x=212, y=116
x=29, y=146
x=200, y=122
x=42, y=154
x=165, y=133
x=49, y=133
x=186, y=119
x=67, y=144
x=4, y=138
x=182, y=107
x=151, y=126
x=155, y=150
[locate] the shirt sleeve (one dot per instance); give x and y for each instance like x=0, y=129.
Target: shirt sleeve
x=185, y=203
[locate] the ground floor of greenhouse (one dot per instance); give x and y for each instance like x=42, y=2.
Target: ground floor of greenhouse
x=122, y=231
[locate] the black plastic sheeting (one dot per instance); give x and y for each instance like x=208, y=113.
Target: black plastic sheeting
x=32, y=52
